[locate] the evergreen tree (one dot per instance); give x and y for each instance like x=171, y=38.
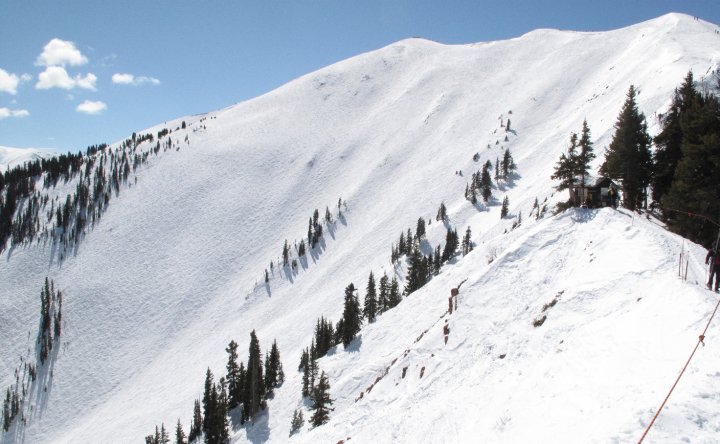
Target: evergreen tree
x=505, y=208
x=196, y=425
x=179, y=434
x=394, y=296
x=467, y=242
x=668, y=143
x=401, y=244
x=508, y=164
x=274, y=375
x=420, y=230
x=566, y=170
x=233, y=376
x=297, y=421
x=351, y=319
x=586, y=154
x=306, y=387
x=164, y=436
x=695, y=187
x=486, y=182
x=370, y=308
x=286, y=254
x=437, y=260
x=442, y=212
x=451, y=245
x=254, y=393
x=416, y=272
x=321, y=402
x=628, y=157
x=303, y=360
x=383, y=302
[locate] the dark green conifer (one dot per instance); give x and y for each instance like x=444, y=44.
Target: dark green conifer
x=370, y=308
x=628, y=157
x=321, y=402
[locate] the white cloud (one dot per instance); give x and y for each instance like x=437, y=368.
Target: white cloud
x=25, y=77
x=90, y=107
x=8, y=82
x=123, y=79
x=54, y=77
x=129, y=79
x=60, y=53
x=57, y=77
x=6, y=112
x=87, y=82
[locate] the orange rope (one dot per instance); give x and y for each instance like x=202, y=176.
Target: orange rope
x=701, y=338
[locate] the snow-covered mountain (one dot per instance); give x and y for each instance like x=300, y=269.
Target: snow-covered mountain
x=9, y=157
x=175, y=268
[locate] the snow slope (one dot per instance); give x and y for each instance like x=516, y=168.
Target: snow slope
x=174, y=270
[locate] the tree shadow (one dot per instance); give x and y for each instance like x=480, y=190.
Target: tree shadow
x=355, y=345
x=583, y=215
x=259, y=430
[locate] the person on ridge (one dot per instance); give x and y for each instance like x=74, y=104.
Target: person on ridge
x=612, y=195
x=714, y=259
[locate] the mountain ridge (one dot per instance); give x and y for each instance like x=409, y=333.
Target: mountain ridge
x=175, y=268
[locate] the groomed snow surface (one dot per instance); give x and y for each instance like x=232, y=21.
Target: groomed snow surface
x=174, y=270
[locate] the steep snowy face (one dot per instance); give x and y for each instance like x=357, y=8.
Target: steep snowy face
x=175, y=268
x=573, y=334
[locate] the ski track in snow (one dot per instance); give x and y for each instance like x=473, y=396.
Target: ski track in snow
x=174, y=270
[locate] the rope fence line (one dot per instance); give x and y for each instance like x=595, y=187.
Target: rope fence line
x=701, y=340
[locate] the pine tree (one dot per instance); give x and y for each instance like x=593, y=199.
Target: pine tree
x=442, y=212
x=370, y=308
x=586, y=154
x=416, y=272
x=508, y=164
x=196, y=425
x=306, y=387
x=566, y=170
x=668, y=143
x=297, y=421
x=420, y=230
x=254, y=393
x=321, y=402
x=233, y=376
x=695, y=187
x=164, y=437
x=401, y=244
x=467, y=242
x=179, y=434
x=286, y=254
x=451, y=245
x=486, y=182
x=351, y=319
x=505, y=208
x=628, y=157
x=383, y=303
x=274, y=375
x=394, y=296
x=209, y=405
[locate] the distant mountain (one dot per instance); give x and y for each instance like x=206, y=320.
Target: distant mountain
x=568, y=328
x=10, y=157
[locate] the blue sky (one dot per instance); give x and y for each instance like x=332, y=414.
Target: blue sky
x=81, y=72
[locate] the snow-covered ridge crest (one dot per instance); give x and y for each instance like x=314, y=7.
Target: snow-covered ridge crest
x=174, y=270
